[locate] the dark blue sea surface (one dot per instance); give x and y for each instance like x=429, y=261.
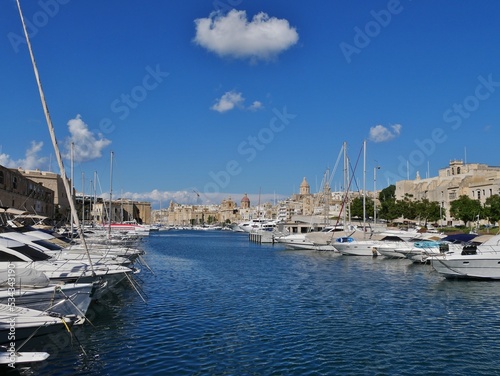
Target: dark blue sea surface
x=218, y=304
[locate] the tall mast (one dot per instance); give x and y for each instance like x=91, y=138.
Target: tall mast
x=72, y=178
x=67, y=187
x=364, y=188
x=83, y=199
x=110, y=193
x=345, y=185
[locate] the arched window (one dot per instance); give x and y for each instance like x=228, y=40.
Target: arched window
x=458, y=170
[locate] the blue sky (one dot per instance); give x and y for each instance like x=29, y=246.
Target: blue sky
x=233, y=96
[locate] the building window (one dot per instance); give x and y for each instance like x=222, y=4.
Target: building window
x=1, y=178
x=479, y=194
x=14, y=182
x=458, y=170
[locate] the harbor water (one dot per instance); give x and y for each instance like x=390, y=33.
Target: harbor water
x=218, y=304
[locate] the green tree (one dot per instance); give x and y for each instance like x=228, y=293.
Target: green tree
x=388, y=209
x=357, y=207
x=465, y=209
x=407, y=207
x=429, y=211
x=387, y=194
x=492, y=208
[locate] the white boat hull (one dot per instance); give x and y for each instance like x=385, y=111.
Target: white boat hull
x=486, y=267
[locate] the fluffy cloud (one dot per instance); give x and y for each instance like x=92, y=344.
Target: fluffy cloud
x=228, y=101
x=232, y=99
x=379, y=133
x=256, y=105
x=87, y=145
x=233, y=35
x=31, y=161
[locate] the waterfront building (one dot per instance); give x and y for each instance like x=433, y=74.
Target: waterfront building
x=228, y=211
x=20, y=192
x=122, y=210
x=474, y=180
x=55, y=183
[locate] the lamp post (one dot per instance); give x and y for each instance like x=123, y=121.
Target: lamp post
x=375, y=194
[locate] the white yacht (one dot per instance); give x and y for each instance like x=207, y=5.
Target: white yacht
x=33, y=289
x=471, y=261
x=257, y=224
x=23, y=256
x=319, y=240
x=29, y=322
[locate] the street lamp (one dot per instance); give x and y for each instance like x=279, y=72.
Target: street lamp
x=375, y=194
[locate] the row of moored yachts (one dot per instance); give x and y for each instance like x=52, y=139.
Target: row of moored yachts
x=49, y=281
x=455, y=256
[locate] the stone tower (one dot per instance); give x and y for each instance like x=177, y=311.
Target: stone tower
x=305, y=189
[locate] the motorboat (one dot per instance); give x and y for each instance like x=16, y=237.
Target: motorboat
x=19, y=255
x=470, y=261
x=257, y=224
x=18, y=323
x=319, y=240
x=30, y=288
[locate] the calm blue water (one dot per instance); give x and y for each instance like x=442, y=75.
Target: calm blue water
x=220, y=305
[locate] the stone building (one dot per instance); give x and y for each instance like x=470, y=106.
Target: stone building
x=122, y=210
x=55, y=183
x=228, y=211
x=19, y=192
x=475, y=180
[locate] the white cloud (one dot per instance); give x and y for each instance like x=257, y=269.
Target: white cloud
x=87, y=145
x=233, y=35
x=31, y=161
x=228, y=101
x=379, y=133
x=232, y=99
x=256, y=105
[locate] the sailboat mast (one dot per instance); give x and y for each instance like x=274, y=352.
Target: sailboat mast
x=67, y=187
x=83, y=199
x=72, y=178
x=110, y=192
x=364, y=188
x=345, y=185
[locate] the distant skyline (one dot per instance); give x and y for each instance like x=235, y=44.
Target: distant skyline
x=201, y=101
